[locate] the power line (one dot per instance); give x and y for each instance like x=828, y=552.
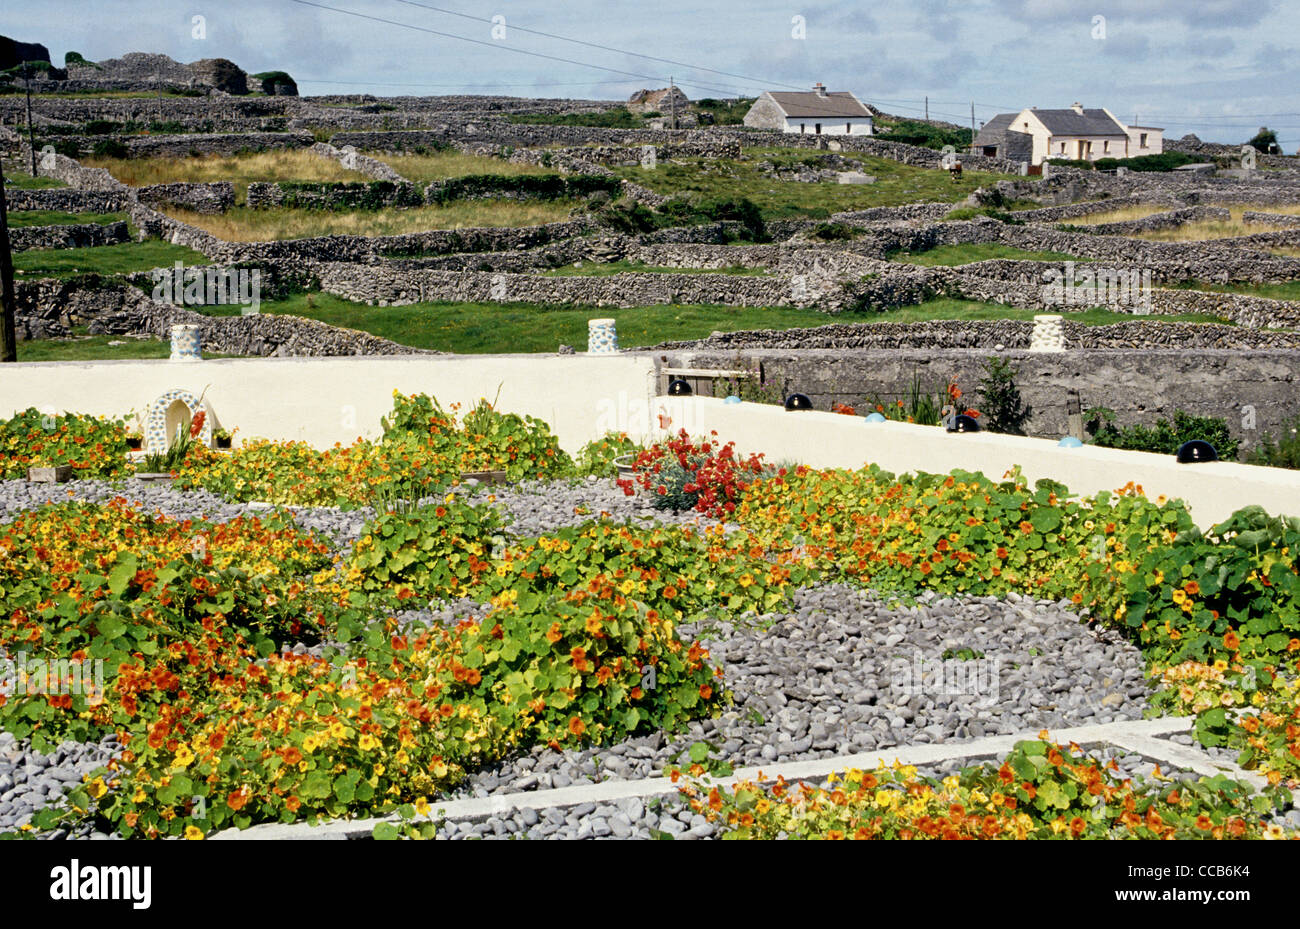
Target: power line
x=498, y=45
x=605, y=48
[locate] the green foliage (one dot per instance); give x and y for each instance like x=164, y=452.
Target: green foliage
x=1164, y=437
x=1003, y=409
x=692, y=211
x=598, y=456
x=109, y=148
x=1232, y=593
x=269, y=80
x=1165, y=161
x=76, y=58
x=93, y=447
x=915, y=132
x=430, y=551
x=724, y=112
x=1283, y=452
x=834, y=232
x=1265, y=140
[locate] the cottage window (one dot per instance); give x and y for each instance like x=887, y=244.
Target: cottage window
x=802, y=128
x=1105, y=147
x=1142, y=140
x=818, y=127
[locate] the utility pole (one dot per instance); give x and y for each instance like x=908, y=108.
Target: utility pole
x=31, y=143
x=972, y=125
x=672, y=98
x=8, y=302
x=927, y=108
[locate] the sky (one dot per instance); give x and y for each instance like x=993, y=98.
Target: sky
x=1216, y=68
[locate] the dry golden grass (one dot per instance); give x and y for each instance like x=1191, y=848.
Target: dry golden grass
x=1285, y=252
x=244, y=225
x=279, y=165
x=437, y=166
x=1212, y=229
x=1190, y=232
x=1124, y=215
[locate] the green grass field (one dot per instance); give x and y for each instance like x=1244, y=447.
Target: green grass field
x=59, y=218
x=896, y=183
x=83, y=347
x=104, y=259
x=490, y=328
x=953, y=255
x=486, y=328
x=20, y=181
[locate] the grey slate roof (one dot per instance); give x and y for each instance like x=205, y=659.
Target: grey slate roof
x=1068, y=122
x=992, y=131
x=809, y=104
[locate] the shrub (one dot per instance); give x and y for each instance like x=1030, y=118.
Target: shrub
x=682, y=475
x=833, y=232
x=109, y=148
x=101, y=126
x=628, y=218
x=1164, y=437
x=1004, y=411
x=598, y=456
x=1283, y=452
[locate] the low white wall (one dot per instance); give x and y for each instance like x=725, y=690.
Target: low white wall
x=831, y=440
x=328, y=400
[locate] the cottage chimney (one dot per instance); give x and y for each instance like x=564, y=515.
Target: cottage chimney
x=820, y=88
x=1077, y=107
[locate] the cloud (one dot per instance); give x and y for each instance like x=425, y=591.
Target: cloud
x=1230, y=14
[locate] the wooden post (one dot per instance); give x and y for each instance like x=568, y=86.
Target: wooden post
x=1074, y=414
x=8, y=301
x=31, y=141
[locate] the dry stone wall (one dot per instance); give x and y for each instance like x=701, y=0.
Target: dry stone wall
x=216, y=197
x=1140, y=385
x=74, y=235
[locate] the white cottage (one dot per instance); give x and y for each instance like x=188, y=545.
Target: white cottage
x=815, y=112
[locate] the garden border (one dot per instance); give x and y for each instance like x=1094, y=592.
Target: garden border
x=1142, y=737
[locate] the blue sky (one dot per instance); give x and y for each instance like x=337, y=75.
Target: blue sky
x=1219, y=68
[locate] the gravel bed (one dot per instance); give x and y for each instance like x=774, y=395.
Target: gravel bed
x=31, y=781
x=830, y=678
x=533, y=507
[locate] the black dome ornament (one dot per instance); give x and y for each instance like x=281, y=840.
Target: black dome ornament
x=679, y=388
x=1195, y=451
x=963, y=423
x=798, y=402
